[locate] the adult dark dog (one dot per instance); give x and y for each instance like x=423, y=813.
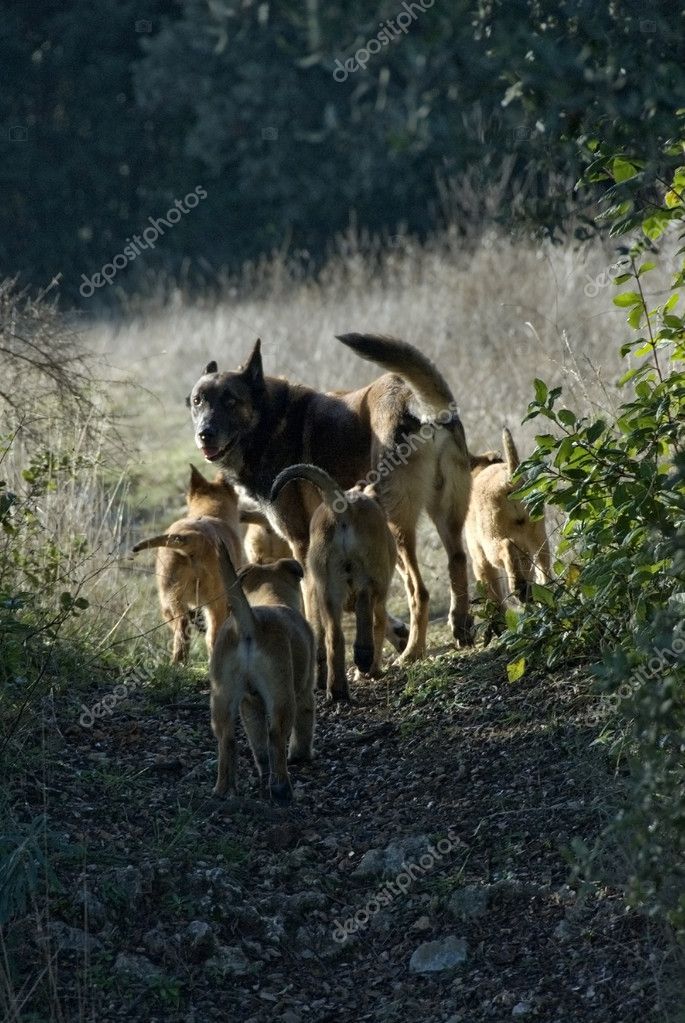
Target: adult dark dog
x=401, y=433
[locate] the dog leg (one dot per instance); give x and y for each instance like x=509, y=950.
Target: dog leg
x=280, y=727
x=302, y=738
x=180, y=627
x=449, y=529
x=331, y=614
x=313, y=616
x=363, y=641
x=517, y=584
x=379, y=633
x=215, y=617
x=223, y=726
x=396, y=632
x=417, y=595
x=254, y=722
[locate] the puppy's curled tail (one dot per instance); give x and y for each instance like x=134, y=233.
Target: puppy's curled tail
x=331, y=493
x=183, y=543
x=511, y=455
x=242, y=612
x=399, y=357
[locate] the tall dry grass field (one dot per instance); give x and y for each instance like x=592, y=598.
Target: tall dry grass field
x=493, y=316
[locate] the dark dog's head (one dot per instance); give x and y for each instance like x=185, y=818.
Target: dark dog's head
x=224, y=407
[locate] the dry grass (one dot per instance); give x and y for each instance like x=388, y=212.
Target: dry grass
x=493, y=318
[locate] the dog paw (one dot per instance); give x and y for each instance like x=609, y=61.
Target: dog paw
x=338, y=696
x=363, y=657
x=296, y=759
x=463, y=630
x=281, y=792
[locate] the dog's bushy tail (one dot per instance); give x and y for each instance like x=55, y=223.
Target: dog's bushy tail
x=331, y=493
x=242, y=612
x=396, y=356
x=511, y=455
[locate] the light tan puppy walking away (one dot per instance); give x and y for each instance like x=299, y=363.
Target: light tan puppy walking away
x=275, y=583
x=187, y=566
x=262, y=666
x=262, y=543
x=508, y=549
x=350, y=562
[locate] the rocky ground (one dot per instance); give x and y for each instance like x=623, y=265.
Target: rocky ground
x=436, y=821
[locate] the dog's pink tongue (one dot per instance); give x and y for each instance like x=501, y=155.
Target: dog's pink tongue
x=210, y=453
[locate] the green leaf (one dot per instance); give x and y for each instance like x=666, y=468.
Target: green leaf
x=542, y=594
x=628, y=298
x=623, y=169
x=516, y=669
x=541, y=390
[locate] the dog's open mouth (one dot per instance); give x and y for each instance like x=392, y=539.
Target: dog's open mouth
x=214, y=454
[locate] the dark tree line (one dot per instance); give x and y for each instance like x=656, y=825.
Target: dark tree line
x=297, y=116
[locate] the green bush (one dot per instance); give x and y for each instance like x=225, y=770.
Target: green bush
x=619, y=599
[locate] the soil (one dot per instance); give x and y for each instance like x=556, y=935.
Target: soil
x=167, y=904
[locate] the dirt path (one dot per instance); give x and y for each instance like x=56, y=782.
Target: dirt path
x=452, y=794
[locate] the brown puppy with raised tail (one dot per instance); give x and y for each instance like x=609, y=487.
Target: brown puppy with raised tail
x=187, y=568
x=350, y=562
x=508, y=549
x=262, y=666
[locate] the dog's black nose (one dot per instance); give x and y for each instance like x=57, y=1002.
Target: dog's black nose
x=207, y=437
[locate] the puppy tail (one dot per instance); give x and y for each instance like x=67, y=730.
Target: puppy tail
x=511, y=455
x=331, y=493
x=396, y=356
x=242, y=612
x=180, y=542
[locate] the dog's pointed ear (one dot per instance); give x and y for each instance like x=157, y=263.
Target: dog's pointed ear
x=211, y=367
x=197, y=480
x=252, y=370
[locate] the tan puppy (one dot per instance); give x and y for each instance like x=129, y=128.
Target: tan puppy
x=350, y=561
x=277, y=583
x=262, y=666
x=262, y=543
x=508, y=549
x=187, y=567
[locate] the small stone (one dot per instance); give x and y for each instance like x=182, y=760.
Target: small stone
x=521, y=1009
x=468, y=903
x=229, y=961
x=136, y=967
x=562, y=931
x=422, y=924
x=200, y=940
x=70, y=939
x=434, y=956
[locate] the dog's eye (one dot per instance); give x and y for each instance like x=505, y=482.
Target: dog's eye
x=197, y=399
